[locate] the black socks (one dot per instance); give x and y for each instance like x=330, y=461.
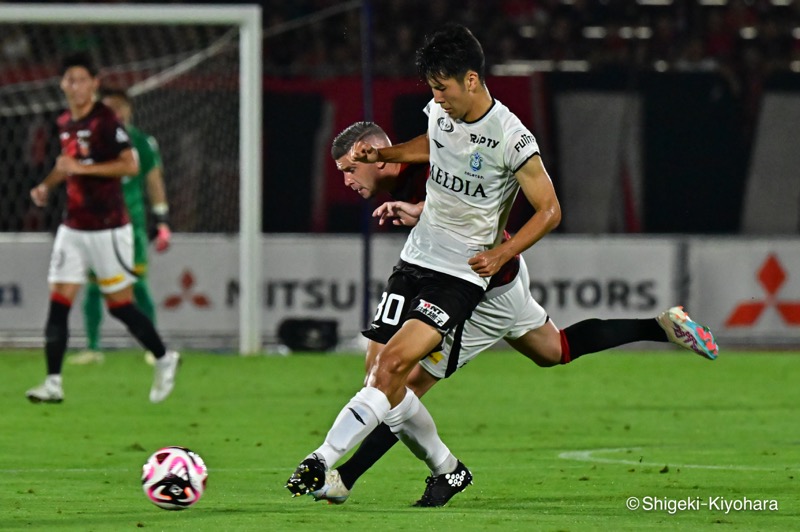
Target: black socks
x=56, y=333
x=375, y=445
x=591, y=336
x=139, y=326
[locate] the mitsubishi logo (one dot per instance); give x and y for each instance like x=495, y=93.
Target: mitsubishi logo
x=187, y=294
x=771, y=276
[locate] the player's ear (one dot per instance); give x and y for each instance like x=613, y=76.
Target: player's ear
x=471, y=80
x=381, y=165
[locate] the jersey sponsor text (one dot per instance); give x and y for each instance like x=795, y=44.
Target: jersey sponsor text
x=436, y=314
x=457, y=184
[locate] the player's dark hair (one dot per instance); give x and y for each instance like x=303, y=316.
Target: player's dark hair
x=344, y=141
x=79, y=59
x=450, y=53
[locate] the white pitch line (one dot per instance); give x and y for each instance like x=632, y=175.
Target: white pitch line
x=589, y=456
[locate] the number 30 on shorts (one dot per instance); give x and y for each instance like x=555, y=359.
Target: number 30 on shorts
x=390, y=309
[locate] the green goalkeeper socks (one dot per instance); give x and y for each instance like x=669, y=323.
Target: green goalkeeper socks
x=92, y=315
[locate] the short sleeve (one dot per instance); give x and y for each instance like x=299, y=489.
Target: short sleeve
x=118, y=138
x=520, y=147
x=109, y=137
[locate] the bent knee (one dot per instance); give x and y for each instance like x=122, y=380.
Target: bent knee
x=393, y=362
x=542, y=350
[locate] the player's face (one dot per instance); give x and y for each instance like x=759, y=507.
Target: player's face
x=79, y=86
x=120, y=108
x=361, y=177
x=452, y=95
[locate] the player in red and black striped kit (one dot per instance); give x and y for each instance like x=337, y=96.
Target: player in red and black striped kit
x=96, y=233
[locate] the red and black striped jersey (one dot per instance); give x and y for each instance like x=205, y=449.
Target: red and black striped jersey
x=93, y=203
x=410, y=183
x=508, y=272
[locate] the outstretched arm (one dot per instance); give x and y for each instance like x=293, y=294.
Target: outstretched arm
x=537, y=187
x=400, y=212
x=416, y=150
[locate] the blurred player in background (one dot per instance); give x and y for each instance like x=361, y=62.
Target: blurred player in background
x=507, y=312
x=150, y=178
x=96, y=234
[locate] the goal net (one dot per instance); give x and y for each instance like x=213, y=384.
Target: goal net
x=193, y=74
x=184, y=87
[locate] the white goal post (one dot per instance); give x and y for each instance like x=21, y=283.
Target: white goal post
x=247, y=18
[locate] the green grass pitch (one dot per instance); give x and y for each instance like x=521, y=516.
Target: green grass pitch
x=557, y=449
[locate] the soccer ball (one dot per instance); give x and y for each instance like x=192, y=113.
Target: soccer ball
x=174, y=478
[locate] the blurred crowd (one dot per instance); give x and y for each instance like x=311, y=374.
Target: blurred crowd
x=323, y=38
x=742, y=41
x=737, y=37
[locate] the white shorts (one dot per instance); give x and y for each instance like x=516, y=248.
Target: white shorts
x=508, y=315
x=108, y=253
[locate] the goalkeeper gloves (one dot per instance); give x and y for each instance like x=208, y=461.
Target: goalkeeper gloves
x=163, y=234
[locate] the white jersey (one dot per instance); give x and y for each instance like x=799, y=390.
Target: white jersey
x=470, y=190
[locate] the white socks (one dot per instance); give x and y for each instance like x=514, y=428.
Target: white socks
x=409, y=420
x=413, y=424
x=365, y=411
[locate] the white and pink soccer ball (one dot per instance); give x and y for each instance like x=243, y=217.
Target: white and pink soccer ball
x=174, y=478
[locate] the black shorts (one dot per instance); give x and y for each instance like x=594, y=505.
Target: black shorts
x=440, y=300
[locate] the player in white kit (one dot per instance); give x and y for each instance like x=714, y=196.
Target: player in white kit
x=508, y=311
x=480, y=156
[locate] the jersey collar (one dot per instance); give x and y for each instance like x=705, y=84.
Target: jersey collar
x=489, y=110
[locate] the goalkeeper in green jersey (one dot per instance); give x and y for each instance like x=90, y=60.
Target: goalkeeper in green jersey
x=149, y=178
